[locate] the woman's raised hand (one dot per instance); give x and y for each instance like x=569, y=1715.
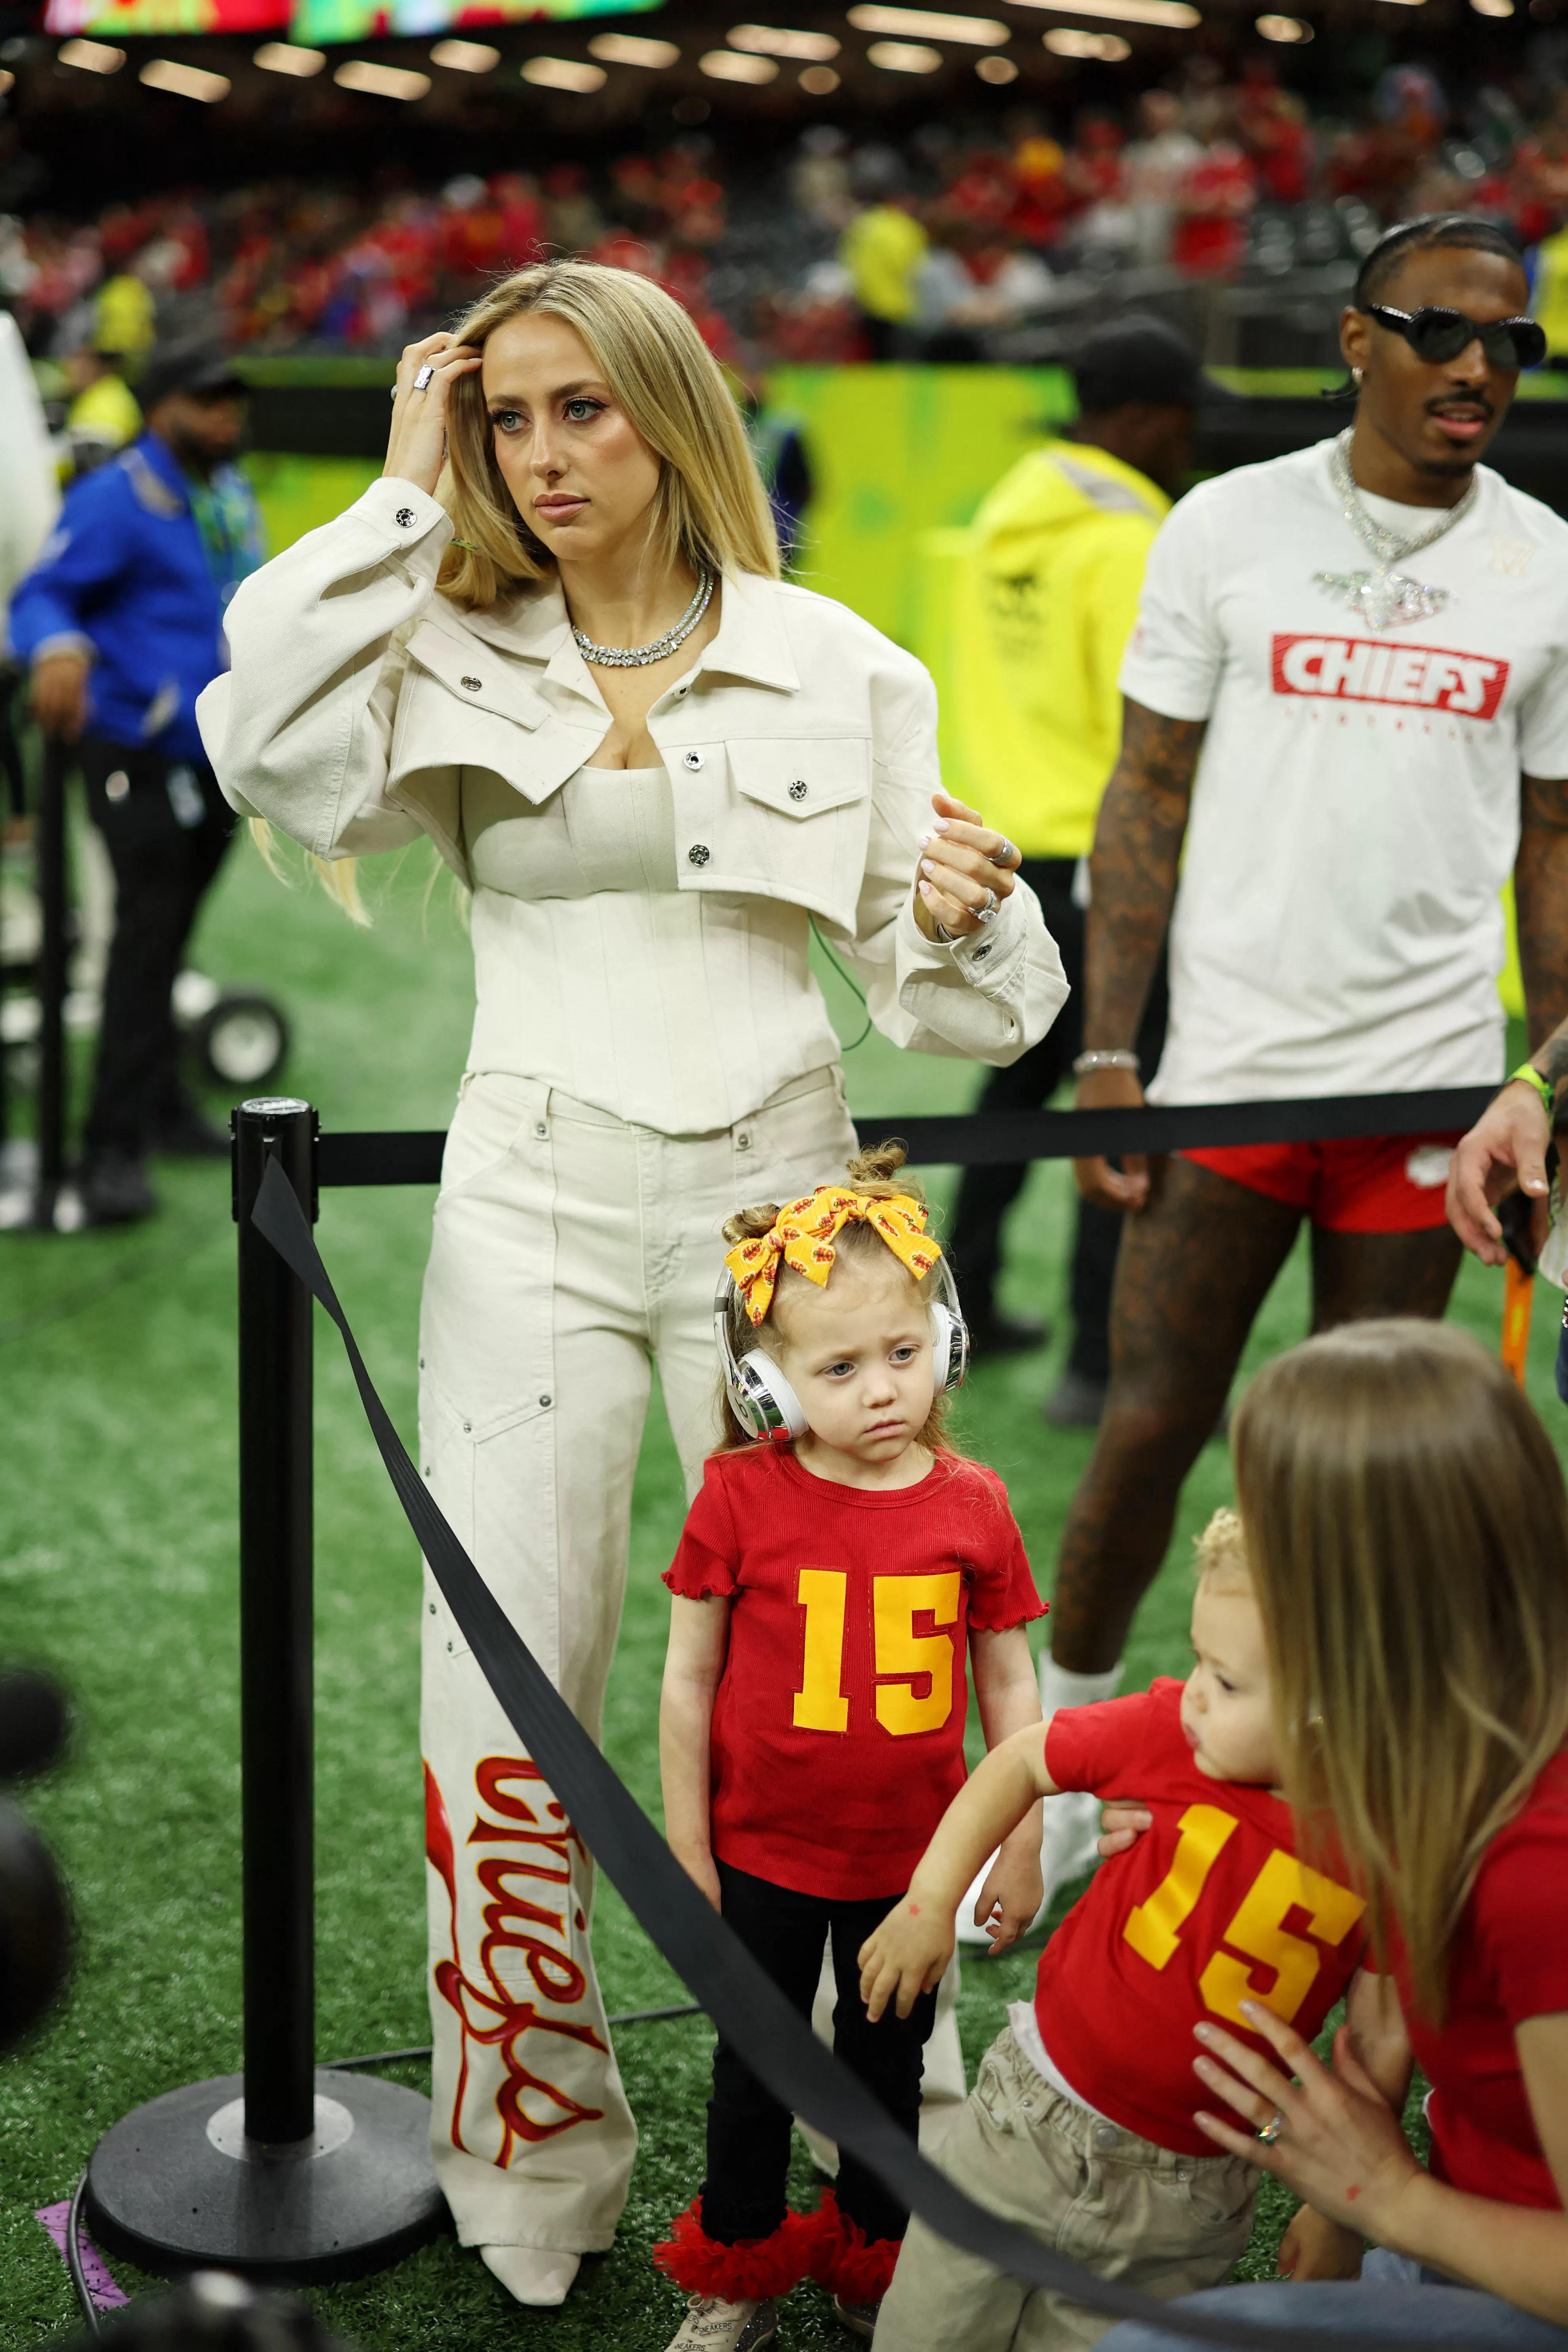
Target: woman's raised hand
x=966, y=869
x=417, y=446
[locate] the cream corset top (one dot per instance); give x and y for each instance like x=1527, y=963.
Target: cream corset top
x=606, y=829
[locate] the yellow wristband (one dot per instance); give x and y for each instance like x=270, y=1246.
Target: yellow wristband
x=1543, y=1086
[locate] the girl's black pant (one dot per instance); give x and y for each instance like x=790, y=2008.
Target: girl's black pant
x=748, y=2129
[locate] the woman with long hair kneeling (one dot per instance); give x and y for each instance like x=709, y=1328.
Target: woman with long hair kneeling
x=1409, y=1533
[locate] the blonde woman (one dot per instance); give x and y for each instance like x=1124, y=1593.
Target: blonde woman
x=553, y=638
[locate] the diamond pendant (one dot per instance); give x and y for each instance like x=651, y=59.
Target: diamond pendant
x=1384, y=599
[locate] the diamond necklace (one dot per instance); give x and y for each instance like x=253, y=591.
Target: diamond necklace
x=1386, y=599
x=638, y=656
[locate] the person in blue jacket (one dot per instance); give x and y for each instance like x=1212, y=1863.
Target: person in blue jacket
x=120, y=622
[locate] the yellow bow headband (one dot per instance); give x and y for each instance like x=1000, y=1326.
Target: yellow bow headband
x=802, y=1235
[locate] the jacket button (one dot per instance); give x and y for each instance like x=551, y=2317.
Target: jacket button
x=981, y=953
x=408, y=518
x=1106, y=2136
x=797, y=790
x=697, y=854
x=472, y=684
x=692, y=759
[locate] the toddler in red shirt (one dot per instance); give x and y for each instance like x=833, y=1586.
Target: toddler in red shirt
x=833, y=1580
x=1081, y=2125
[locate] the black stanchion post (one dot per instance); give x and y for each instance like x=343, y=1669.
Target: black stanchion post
x=289, y=2171
x=275, y=1575
x=50, y=840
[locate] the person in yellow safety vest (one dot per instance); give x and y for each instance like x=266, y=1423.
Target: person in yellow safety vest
x=105, y=415
x=1047, y=600
x=1549, y=293
x=882, y=249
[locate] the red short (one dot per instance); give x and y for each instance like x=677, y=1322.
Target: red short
x=1363, y=1184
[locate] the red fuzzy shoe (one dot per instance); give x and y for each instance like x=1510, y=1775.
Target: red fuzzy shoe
x=856, y=2270
x=752, y=2272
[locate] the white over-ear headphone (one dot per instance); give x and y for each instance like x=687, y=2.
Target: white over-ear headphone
x=765, y=1404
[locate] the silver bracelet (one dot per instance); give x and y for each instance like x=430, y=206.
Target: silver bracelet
x=1106, y=1057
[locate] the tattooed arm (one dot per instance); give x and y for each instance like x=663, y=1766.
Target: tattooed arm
x=1133, y=882
x=1506, y=1147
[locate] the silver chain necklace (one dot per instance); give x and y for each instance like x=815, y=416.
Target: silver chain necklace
x=1386, y=599
x=638, y=656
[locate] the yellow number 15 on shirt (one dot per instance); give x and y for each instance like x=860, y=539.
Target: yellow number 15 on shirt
x=820, y=1704
x=1283, y=1885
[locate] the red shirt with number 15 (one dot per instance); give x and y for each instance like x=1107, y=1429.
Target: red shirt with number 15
x=837, y=1739
x=1210, y=1908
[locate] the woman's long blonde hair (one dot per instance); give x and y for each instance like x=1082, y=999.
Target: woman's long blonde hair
x=1407, y=1530
x=710, y=509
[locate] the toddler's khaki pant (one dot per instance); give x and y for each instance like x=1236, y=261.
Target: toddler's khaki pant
x=570, y=1249
x=1123, y=2208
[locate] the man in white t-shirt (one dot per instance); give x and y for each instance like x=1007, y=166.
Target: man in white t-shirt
x=1344, y=743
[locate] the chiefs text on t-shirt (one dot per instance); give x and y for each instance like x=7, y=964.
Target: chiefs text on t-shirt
x=1210, y=1908
x=837, y=1740
x=1355, y=813
x=1509, y=1963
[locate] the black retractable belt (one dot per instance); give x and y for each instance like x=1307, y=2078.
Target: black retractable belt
x=743, y=2002
x=1002, y=1138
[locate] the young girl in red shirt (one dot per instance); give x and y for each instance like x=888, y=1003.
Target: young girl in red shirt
x=1081, y=2125
x=1408, y=1524
x=835, y=1574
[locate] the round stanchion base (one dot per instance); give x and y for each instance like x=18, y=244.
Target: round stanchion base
x=176, y=2186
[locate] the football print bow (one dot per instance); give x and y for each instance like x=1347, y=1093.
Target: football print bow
x=803, y=1236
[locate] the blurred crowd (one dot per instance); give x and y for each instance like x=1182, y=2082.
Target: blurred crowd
x=835, y=252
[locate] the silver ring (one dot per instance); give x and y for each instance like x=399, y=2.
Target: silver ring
x=423, y=378
x=988, y=914
x=1007, y=853
x=1273, y=2128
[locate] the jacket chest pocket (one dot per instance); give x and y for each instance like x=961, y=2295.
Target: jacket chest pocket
x=460, y=706
x=802, y=815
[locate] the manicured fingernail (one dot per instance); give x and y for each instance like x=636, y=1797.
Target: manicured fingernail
x=941, y=823
x=927, y=866
x=926, y=890
x=925, y=838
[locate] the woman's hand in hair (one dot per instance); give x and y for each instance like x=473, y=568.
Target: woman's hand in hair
x=417, y=446
x=961, y=859
x=1340, y=2147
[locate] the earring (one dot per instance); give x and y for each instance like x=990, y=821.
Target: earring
x=1355, y=377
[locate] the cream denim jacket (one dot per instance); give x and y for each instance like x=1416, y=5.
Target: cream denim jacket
x=801, y=750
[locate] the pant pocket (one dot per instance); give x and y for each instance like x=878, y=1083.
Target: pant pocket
x=494, y=1113
x=1221, y=2199
x=792, y=1147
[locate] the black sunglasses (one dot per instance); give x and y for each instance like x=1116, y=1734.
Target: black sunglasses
x=1436, y=335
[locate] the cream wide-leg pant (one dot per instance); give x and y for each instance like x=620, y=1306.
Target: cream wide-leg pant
x=569, y=1249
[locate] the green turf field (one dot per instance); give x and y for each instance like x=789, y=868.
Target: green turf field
x=117, y=1567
